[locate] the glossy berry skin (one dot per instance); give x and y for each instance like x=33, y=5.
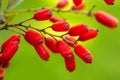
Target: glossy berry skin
x=77, y=2
x=109, y=2
x=62, y=3
x=106, y=19
x=83, y=53
x=42, y=51
x=2, y=74
x=51, y=44
x=33, y=38
x=92, y=33
x=70, y=64
x=79, y=29
x=10, y=39
x=64, y=49
x=60, y=26
x=43, y=14
x=79, y=7
x=9, y=51
x=55, y=19
x=70, y=40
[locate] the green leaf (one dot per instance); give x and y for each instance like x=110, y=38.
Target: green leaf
x=13, y=3
x=9, y=16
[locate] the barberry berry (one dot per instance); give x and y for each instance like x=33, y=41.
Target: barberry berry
x=77, y=2
x=42, y=51
x=5, y=64
x=62, y=3
x=51, y=44
x=60, y=26
x=9, y=51
x=2, y=74
x=79, y=29
x=79, y=7
x=70, y=64
x=43, y=14
x=106, y=19
x=92, y=33
x=33, y=38
x=70, y=40
x=83, y=53
x=10, y=39
x=109, y=2
x=64, y=49
x=55, y=19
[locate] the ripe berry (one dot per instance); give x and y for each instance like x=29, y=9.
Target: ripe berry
x=51, y=44
x=62, y=3
x=5, y=64
x=55, y=19
x=64, y=49
x=60, y=26
x=92, y=33
x=77, y=2
x=78, y=30
x=42, y=52
x=83, y=53
x=70, y=64
x=33, y=37
x=9, y=51
x=109, y=2
x=79, y=7
x=10, y=39
x=106, y=19
x=43, y=14
x=70, y=40
x=2, y=74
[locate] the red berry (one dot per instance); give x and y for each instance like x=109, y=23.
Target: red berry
x=2, y=74
x=42, y=52
x=106, y=19
x=43, y=14
x=9, y=51
x=70, y=40
x=51, y=44
x=109, y=2
x=64, y=49
x=70, y=64
x=5, y=64
x=78, y=30
x=92, y=33
x=62, y=3
x=60, y=26
x=33, y=37
x=77, y=2
x=83, y=53
x=10, y=39
x=79, y=7
x=55, y=19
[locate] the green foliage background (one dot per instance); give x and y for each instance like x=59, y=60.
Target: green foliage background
x=26, y=64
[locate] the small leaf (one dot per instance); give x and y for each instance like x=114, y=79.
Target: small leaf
x=9, y=16
x=13, y=3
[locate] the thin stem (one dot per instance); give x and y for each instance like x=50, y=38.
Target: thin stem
x=16, y=32
x=23, y=10
x=19, y=28
x=53, y=9
x=90, y=11
x=25, y=20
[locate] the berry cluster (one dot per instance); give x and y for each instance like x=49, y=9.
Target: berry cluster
x=61, y=44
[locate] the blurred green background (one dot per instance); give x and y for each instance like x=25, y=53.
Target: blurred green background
x=26, y=64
